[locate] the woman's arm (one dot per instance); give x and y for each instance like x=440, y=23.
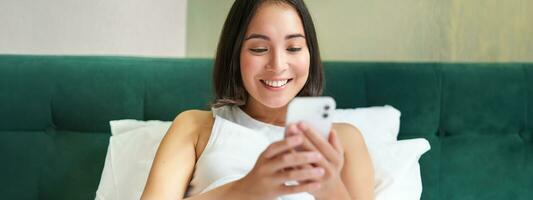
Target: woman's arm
x=175, y=158
x=358, y=172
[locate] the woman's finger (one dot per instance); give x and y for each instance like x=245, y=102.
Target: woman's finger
x=282, y=146
x=320, y=143
x=300, y=175
x=335, y=142
x=292, y=129
x=293, y=160
x=302, y=187
x=307, y=145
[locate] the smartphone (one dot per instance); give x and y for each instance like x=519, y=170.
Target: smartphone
x=315, y=111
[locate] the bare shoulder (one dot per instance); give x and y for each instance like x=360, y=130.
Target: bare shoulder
x=187, y=129
x=348, y=134
x=192, y=122
x=198, y=124
x=194, y=116
x=178, y=150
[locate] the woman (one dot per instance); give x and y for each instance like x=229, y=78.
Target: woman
x=267, y=54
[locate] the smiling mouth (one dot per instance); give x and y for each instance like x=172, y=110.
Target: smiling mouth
x=276, y=83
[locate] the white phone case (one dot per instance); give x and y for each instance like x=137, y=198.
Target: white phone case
x=315, y=111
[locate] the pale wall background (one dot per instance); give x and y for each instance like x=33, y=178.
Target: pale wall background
x=492, y=30
x=108, y=27
x=408, y=30
x=353, y=30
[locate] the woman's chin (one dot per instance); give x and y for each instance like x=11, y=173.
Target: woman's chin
x=276, y=103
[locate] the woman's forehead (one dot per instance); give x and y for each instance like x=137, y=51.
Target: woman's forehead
x=276, y=21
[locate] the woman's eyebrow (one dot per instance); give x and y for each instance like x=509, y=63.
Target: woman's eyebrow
x=297, y=35
x=258, y=36
x=264, y=37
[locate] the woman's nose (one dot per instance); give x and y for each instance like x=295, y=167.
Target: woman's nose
x=278, y=61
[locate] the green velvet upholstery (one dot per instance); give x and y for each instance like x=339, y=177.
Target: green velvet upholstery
x=54, y=114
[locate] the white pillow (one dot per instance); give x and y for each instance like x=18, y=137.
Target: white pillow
x=396, y=167
x=133, y=145
x=130, y=153
x=379, y=124
x=397, y=171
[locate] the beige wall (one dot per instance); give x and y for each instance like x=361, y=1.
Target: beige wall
x=381, y=29
x=110, y=27
x=409, y=30
x=204, y=24
x=492, y=30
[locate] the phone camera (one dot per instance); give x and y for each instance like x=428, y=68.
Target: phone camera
x=326, y=107
x=325, y=115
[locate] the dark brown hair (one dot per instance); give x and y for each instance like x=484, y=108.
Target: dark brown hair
x=227, y=80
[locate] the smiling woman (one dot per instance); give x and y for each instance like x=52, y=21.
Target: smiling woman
x=274, y=52
x=243, y=149
x=275, y=37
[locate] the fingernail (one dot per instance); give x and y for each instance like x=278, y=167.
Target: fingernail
x=319, y=171
x=316, y=156
x=295, y=140
x=303, y=126
x=294, y=129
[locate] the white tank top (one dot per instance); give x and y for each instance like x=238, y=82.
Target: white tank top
x=235, y=143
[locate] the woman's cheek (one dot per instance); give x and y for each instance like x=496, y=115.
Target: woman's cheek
x=302, y=64
x=250, y=67
x=251, y=63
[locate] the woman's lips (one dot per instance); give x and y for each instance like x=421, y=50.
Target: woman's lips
x=276, y=85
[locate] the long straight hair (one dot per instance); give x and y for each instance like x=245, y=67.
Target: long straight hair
x=227, y=80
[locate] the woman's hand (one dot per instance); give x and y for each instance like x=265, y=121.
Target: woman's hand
x=332, y=162
x=268, y=177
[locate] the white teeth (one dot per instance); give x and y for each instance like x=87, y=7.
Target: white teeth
x=275, y=83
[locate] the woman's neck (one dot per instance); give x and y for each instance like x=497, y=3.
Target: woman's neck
x=260, y=112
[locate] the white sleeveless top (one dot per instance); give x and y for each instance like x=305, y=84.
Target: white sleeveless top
x=235, y=143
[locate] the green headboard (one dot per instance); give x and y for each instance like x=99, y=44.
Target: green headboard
x=54, y=114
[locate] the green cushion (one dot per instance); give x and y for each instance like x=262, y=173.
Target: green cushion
x=527, y=132
x=482, y=167
x=488, y=101
x=176, y=86
x=25, y=88
x=346, y=78
x=24, y=155
x=74, y=165
x=412, y=88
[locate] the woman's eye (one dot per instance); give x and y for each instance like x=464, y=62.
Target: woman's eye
x=258, y=50
x=294, y=49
